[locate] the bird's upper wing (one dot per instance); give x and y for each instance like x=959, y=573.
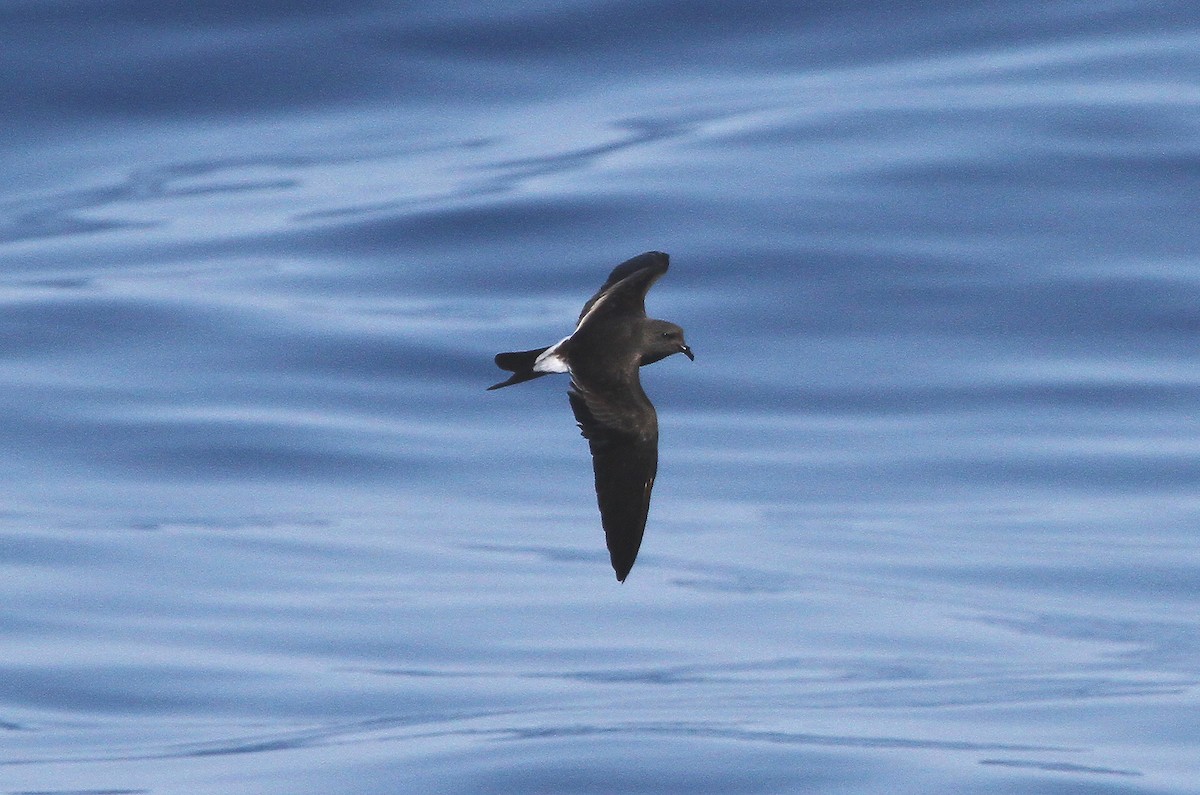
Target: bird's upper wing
x=625, y=290
x=624, y=449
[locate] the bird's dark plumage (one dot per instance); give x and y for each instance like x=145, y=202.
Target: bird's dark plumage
x=611, y=341
x=520, y=364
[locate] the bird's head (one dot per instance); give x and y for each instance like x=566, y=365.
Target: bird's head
x=662, y=339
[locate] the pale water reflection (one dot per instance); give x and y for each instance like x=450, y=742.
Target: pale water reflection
x=926, y=508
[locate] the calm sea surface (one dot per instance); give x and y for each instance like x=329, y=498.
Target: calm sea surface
x=927, y=509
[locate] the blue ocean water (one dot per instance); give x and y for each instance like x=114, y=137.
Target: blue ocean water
x=927, y=504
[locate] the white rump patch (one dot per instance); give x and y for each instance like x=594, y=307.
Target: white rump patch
x=551, y=361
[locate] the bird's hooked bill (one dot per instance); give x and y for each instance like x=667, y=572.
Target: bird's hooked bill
x=686, y=351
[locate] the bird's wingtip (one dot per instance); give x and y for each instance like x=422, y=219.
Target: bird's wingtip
x=659, y=257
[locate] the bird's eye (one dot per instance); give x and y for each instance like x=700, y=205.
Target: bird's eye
x=666, y=335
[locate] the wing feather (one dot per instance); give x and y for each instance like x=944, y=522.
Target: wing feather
x=625, y=462
x=625, y=290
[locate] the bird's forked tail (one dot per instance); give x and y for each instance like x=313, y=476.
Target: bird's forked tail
x=520, y=364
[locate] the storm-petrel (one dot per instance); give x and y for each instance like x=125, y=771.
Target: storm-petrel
x=611, y=340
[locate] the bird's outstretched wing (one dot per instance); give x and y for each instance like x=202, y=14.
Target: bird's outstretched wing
x=625, y=460
x=625, y=290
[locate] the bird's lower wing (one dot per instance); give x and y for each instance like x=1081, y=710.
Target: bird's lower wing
x=625, y=463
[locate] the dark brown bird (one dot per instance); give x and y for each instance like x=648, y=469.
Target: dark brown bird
x=612, y=339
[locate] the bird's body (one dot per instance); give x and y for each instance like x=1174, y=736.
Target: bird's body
x=612, y=339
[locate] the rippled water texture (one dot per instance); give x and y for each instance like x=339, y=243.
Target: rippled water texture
x=925, y=519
